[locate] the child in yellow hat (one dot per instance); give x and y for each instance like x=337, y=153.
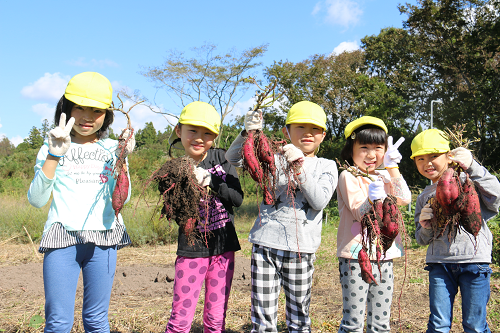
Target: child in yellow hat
x=368, y=150
x=75, y=165
x=210, y=259
x=287, y=233
x=459, y=262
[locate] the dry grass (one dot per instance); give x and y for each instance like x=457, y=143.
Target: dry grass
x=132, y=313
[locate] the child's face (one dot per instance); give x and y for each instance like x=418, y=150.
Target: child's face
x=368, y=156
x=307, y=137
x=432, y=166
x=88, y=121
x=196, y=140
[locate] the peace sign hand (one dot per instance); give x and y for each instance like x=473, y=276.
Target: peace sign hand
x=392, y=156
x=59, y=137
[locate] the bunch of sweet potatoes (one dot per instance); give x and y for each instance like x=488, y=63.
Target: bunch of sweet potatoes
x=380, y=227
x=258, y=159
x=456, y=204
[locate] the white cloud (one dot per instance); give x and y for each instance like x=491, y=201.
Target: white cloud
x=48, y=88
x=100, y=63
x=44, y=110
x=16, y=140
x=345, y=13
x=346, y=47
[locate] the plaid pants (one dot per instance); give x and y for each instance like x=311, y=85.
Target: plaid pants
x=271, y=270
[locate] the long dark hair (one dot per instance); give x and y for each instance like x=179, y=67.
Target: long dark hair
x=366, y=134
x=65, y=105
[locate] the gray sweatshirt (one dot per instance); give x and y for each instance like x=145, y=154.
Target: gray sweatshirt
x=463, y=249
x=294, y=222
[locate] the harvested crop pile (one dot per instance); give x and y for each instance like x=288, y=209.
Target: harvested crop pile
x=380, y=227
x=180, y=193
x=456, y=205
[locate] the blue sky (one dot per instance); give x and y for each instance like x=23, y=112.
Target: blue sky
x=45, y=43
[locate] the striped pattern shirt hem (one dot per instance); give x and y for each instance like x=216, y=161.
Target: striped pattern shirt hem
x=57, y=237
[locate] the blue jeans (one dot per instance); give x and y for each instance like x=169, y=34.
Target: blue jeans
x=61, y=268
x=474, y=282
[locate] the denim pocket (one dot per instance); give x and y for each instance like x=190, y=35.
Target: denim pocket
x=484, y=268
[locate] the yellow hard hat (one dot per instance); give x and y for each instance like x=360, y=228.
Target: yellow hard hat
x=90, y=89
x=365, y=120
x=197, y=114
x=308, y=113
x=430, y=141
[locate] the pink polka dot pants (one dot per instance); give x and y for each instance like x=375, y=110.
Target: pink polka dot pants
x=217, y=272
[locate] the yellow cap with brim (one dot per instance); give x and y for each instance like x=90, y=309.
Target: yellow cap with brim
x=306, y=112
x=90, y=89
x=431, y=141
x=197, y=114
x=365, y=120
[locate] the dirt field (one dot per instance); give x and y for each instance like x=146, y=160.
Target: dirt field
x=142, y=293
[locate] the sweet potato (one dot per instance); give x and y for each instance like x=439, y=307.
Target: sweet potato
x=390, y=223
x=265, y=153
x=447, y=190
x=121, y=191
x=251, y=162
x=366, y=267
x=470, y=209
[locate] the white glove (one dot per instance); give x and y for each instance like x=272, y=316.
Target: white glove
x=376, y=191
x=130, y=143
x=59, y=137
x=425, y=216
x=293, y=154
x=253, y=120
x=462, y=156
x=392, y=156
x=203, y=176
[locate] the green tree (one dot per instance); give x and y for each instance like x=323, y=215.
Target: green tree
x=458, y=42
x=46, y=127
x=6, y=147
x=34, y=139
x=146, y=136
x=218, y=79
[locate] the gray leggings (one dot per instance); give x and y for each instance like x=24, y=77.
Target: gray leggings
x=357, y=294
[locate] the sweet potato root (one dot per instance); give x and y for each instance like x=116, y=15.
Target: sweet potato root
x=251, y=162
x=470, y=211
x=447, y=190
x=121, y=191
x=366, y=267
x=390, y=223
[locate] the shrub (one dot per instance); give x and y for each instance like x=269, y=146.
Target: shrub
x=494, y=226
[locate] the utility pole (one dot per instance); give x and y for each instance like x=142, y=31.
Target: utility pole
x=432, y=113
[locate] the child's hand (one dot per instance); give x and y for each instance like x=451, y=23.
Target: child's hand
x=253, y=120
x=293, y=154
x=203, y=176
x=392, y=156
x=462, y=157
x=376, y=191
x=425, y=217
x=130, y=143
x=59, y=137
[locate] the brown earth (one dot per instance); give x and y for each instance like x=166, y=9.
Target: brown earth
x=142, y=293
